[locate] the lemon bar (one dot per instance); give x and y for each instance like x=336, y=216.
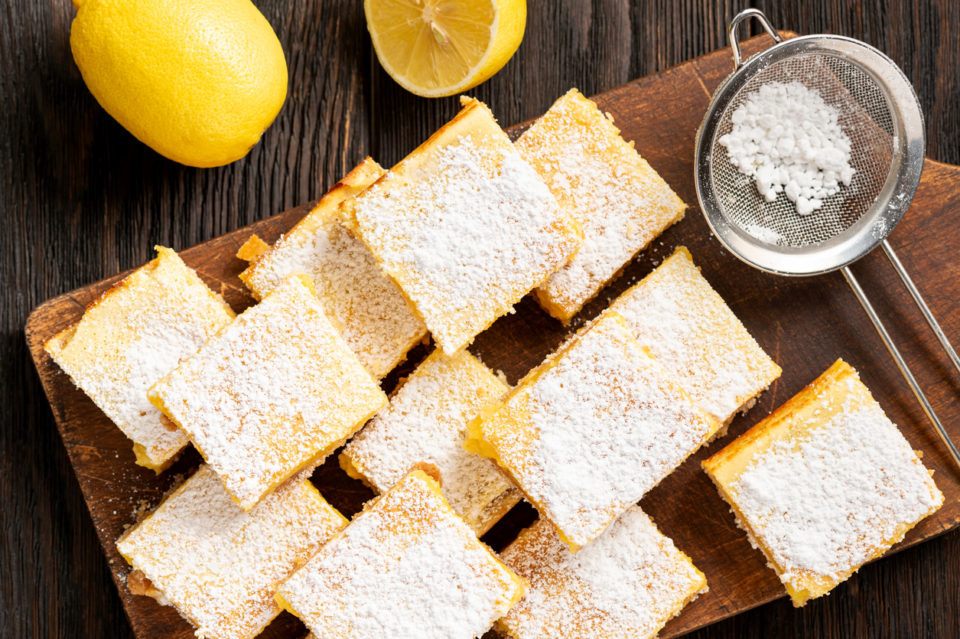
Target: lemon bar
x=275, y=392
x=218, y=565
x=601, y=181
x=590, y=431
x=626, y=584
x=824, y=484
x=376, y=319
x=407, y=566
x=696, y=338
x=426, y=421
x=465, y=227
x=133, y=335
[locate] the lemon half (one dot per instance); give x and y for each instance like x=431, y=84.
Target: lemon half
x=435, y=48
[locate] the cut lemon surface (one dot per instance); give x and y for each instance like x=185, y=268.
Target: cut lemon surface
x=436, y=48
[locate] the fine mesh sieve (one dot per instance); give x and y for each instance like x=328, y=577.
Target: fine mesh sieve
x=866, y=118
x=879, y=111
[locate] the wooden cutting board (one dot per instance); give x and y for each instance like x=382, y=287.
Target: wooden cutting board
x=804, y=324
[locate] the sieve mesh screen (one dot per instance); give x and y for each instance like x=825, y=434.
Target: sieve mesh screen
x=864, y=115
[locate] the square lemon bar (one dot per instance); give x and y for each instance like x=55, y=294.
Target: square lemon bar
x=219, y=565
x=426, y=421
x=696, y=338
x=824, y=484
x=465, y=227
x=274, y=393
x=133, y=335
x=626, y=584
x=601, y=181
x=591, y=430
x=375, y=318
x=407, y=566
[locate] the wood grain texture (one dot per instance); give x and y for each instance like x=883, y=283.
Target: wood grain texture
x=83, y=200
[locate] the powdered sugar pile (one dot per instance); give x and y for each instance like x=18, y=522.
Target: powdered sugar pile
x=626, y=583
x=789, y=140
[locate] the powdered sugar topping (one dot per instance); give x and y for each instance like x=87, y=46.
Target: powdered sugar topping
x=826, y=502
x=405, y=567
x=609, y=426
x=696, y=338
x=469, y=237
x=271, y=393
x=627, y=583
x=426, y=421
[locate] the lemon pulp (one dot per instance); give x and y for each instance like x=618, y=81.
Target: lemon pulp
x=441, y=47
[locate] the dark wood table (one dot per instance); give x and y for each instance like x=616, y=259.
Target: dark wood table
x=82, y=199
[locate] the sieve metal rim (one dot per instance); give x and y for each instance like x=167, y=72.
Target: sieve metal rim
x=893, y=199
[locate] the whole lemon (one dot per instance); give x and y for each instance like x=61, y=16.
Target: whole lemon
x=196, y=80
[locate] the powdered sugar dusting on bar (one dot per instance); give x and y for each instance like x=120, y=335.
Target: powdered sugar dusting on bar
x=405, y=567
x=426, y=421
x=609, y=427
x=220, y=566
x=375, y=318
x=272, y=392
x=625, y=584
x=860, y=482
x=601, y=179
x=696, y=338
x=131, y=337
x=466, y=237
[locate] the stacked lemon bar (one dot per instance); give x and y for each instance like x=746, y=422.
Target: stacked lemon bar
x=590, y=431
x=406, y=566
x=601, y=180
x=272, y=394
x=465, y=227
x=372, y=314
x=133, y=335
x=426, y=421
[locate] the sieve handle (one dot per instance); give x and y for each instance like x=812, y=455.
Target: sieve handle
x=732, y=32
x=924, y=309
x=901, y=364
